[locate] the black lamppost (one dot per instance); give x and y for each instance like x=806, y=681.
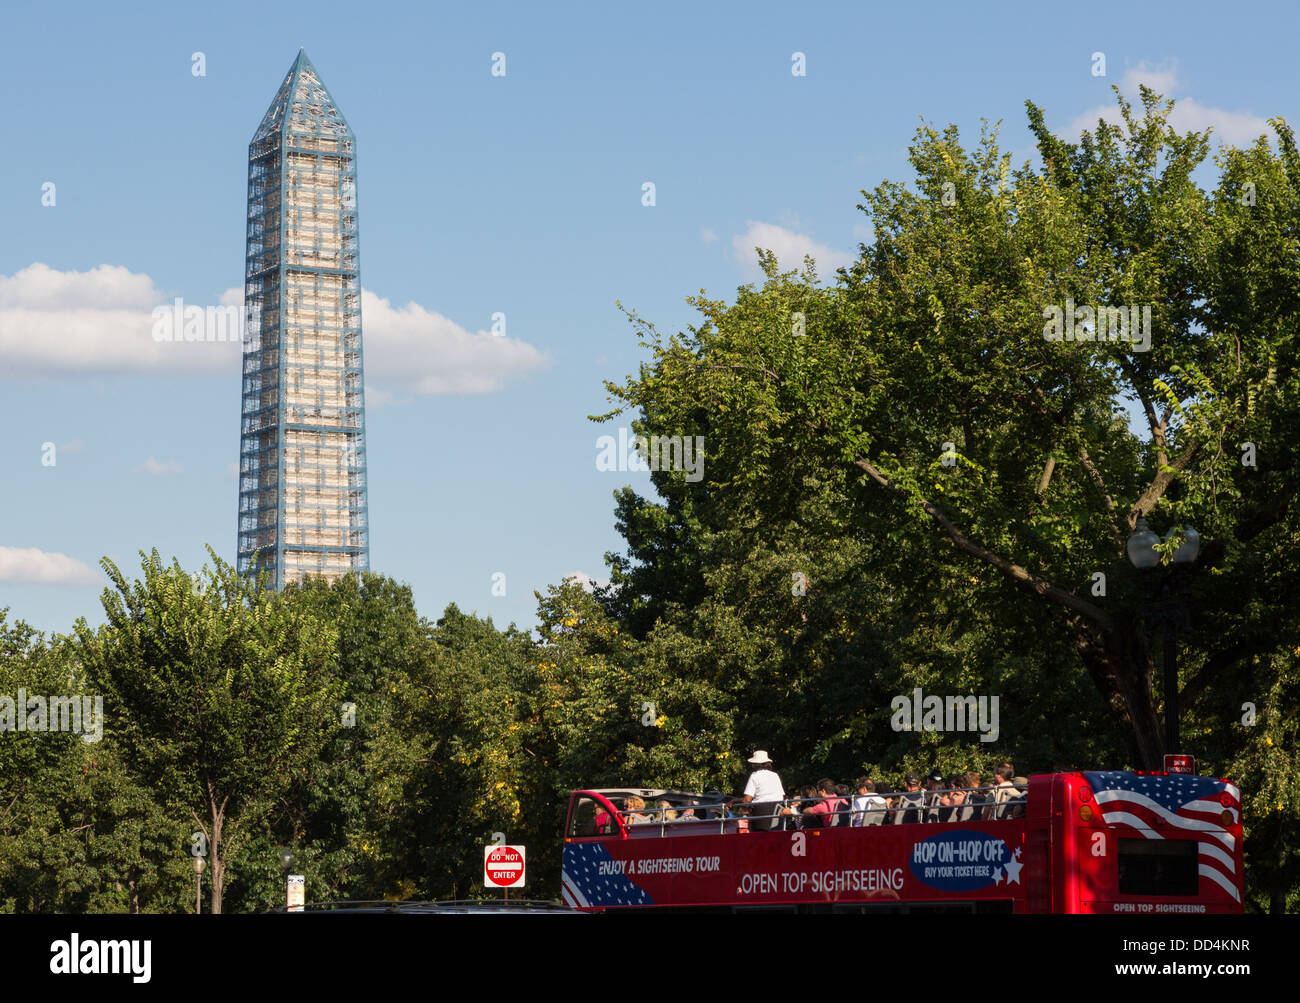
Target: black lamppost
x=1165, y=605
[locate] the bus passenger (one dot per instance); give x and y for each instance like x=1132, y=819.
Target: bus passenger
x=845, y=794
x=952, y=799
x=998, y=807
x=822, y=814
x=792, y=811
x=1018, y=803
x=956, y=799
x=935, y=800
x=910, y=803
x=763, y=791
x=860, y=801
x=974, y=808
x=869, y=806
x=635, y=806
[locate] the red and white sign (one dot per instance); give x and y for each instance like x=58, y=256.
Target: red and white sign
x=1179, y=763
x=503, y=866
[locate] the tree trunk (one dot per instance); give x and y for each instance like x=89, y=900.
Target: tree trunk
x=217, y=880
x=1121, y=669
x=133, y=892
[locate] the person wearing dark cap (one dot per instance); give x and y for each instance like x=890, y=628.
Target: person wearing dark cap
x=911, y=803
x=763, y=792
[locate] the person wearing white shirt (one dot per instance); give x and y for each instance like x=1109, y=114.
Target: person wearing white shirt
x=764, y=791
x=868, y=807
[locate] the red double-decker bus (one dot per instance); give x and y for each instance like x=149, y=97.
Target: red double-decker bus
x=1090, y=842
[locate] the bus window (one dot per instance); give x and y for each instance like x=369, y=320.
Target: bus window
x=1158, y=867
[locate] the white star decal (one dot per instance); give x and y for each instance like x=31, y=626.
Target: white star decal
x=1013, y=869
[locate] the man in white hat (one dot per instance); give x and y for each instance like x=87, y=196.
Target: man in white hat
x=764, y=790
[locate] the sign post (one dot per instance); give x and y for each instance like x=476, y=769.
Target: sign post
x=503, y=867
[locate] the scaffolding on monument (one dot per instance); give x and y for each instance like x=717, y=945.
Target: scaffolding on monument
x=302, y=459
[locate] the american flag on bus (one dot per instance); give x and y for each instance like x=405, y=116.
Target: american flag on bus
x=1192, y=804
x=593, y=878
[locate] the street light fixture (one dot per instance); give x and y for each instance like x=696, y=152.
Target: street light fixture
x=1191, y=548
x=286, y=865
x=198, y=884
x=1142, y=547
x=1165, y=605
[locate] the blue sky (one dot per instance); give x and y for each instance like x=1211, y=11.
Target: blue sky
x=519, y=194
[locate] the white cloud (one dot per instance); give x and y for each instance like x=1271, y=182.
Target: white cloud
x=1162, y=79
x=789, y=248
x=585, y=580
x=1238, y=128
x=232, y=469
x=707, y=235
x=1234, y=127
x=75, y=323
x=28, y=566
x=413, y=349
x=156, y=468
x=93, y=322
x=108, y=287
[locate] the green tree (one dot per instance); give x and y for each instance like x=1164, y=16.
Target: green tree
x=77, y=833
x=43, y=862
x=926, y=393
x=218, y=693
x=349, y=822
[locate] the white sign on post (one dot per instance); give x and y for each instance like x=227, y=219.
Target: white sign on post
x=503, y=866
x=297, y=892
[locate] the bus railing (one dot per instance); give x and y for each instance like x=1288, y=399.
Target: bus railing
x=925, y=806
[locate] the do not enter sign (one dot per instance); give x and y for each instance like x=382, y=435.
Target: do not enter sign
x=503, y=866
